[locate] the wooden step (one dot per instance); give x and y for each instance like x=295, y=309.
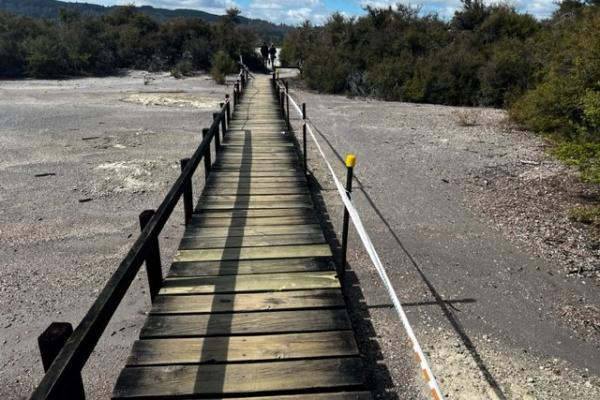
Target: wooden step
x=245, y=302
x=245, y=267
x=216, y=379
x=243, y=348
x=254, y=323
x=251, y=283
x=255, y=253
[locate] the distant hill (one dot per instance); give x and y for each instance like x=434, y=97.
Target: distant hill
x=50, y=9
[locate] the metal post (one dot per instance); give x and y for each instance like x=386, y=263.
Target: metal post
x=207, y=162
x=274, y=82
x=304, y=111
x=236, y=94
x=188, y=199
x=350, y=163
x=282, y=102
x=50, y=342
x=153, y=265
x=240, y=89
x=228, y=109
x=216, y=117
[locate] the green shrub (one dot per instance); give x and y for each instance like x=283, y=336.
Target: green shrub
x=182, y=69
x=583, y=154
x=222, y=65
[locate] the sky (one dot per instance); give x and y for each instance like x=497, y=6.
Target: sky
x=294, y=12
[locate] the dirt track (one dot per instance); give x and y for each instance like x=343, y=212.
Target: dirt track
x=112, y=147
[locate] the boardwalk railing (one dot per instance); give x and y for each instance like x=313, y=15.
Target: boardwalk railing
x=64, y=351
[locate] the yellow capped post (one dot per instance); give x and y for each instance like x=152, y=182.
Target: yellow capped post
x=350, y=160
x=350, y=163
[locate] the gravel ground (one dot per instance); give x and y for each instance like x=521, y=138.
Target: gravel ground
x=80, y=160
x=449, y=208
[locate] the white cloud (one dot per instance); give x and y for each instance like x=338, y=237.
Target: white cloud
x=291, y=12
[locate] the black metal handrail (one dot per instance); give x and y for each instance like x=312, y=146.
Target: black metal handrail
x=65, y=356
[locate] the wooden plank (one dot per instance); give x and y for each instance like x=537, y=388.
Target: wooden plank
x=243, y=199
x=252, y=230
x=201, y=325
x=243, y=348
x=251, y=221
x=220, y=184
x=240, y=302
x=231, y=379
x=229, y=205
x=314, y=396
x=289, y=212
x=250, y=283
x=251, y=191
x=235, y=267
x=256, y=174
x=251, y=241
x=254, y=253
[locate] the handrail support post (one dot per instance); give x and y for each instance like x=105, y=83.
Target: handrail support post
x=50, y=343
x=153, y=263
x=188, y=196
x=207, y=160
x=216, y=117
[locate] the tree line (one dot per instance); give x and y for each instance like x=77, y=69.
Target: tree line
x=547, y=73
x=76, y=45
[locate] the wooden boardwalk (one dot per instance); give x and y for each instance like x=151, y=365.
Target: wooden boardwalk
x=252, y=307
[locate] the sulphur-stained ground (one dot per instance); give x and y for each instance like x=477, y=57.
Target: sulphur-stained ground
x=469, y=216
x=80, y=159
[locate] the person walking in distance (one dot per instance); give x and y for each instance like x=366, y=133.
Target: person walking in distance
x=273, y=54
x=264, y=51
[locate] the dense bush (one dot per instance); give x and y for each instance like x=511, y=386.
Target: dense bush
x=77, y=45
x=546, y=72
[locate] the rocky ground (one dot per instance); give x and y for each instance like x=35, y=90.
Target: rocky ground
x=470, y=216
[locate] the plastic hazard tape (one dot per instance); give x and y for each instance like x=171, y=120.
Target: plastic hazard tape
x=428, y=375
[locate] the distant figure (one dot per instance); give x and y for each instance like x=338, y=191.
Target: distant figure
x=264, y=51
x=273, y=54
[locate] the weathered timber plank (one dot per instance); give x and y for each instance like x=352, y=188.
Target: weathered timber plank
x=200, y=325
x=293, y=219
x=229, y=205
x=252, y=191
x=291, y=180
x=240, y=302
x=216, y=379
x=249, y=174
x=250, y=283
x=243, y=199
x=291, y=212
x=253, y=253
x=248, y=184
x=243, y=348
x=235, y=267
x=250, y=241
x=315, y=396
x=216, y=230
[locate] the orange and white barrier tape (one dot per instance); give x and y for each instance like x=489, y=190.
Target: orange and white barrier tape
x=426, y=371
